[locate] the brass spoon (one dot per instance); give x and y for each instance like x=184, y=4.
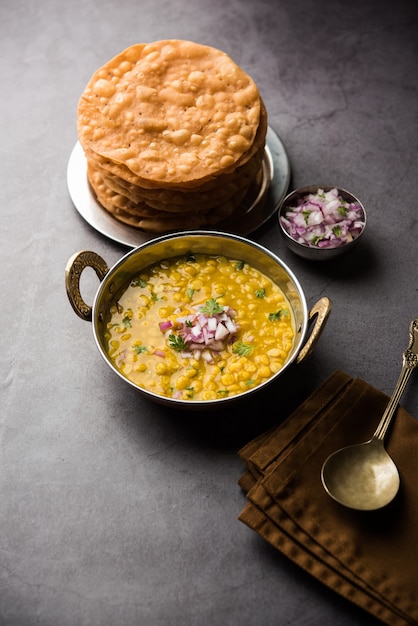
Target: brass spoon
x=363, y=476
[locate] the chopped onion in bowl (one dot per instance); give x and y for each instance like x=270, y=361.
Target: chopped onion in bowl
x=323, y=220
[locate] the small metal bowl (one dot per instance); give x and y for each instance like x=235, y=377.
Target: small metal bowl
x=310, y=252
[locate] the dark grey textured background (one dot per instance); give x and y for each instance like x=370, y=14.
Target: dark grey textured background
x=117, y=512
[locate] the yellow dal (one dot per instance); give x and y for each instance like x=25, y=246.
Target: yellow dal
x=169, y=290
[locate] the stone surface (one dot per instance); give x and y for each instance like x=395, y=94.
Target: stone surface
x=117, y=511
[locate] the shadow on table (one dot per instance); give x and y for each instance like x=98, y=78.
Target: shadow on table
x=242, y=420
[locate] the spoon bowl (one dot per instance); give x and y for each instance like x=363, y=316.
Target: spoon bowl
x=363, y=476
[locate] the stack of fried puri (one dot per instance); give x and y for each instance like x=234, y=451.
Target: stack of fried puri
x=174, y=135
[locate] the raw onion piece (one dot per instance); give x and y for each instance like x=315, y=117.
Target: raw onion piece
x=323, y=220
x=166, y=325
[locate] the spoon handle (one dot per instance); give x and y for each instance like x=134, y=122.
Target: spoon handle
x=409, y=363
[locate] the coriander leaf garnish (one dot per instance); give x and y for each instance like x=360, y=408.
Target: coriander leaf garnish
x=278, y=315
x=211, y=308
x=127, y=321
x=316, y=239
x=138, y=282
x=260, y=293
x=240, y=265
x=241, y=348
x=177, y=343
x=139, y=349
x=190, y=292
x=306, y=213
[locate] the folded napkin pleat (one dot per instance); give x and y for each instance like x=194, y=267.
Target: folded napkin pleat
x=368, y=557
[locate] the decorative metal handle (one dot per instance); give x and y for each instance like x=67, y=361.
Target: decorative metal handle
x=75, y=267
x=321, y=309
x=409, y=363
x=410, y=356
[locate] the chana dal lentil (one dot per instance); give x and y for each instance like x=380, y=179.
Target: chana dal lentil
x=200, y=327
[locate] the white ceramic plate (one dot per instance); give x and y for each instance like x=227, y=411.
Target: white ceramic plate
x=276, y=178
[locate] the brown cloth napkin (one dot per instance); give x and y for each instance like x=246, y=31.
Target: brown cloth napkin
x=368, y=557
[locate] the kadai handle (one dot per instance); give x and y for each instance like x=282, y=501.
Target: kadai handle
x=320, y=311
x=75, y=267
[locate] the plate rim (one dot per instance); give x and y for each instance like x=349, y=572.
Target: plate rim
x=103, y=222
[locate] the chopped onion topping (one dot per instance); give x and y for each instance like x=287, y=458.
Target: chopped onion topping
x=165, y=325
x=323, y=220
x=202, y=333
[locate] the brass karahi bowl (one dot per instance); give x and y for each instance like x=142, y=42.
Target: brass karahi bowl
x=214, y=243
